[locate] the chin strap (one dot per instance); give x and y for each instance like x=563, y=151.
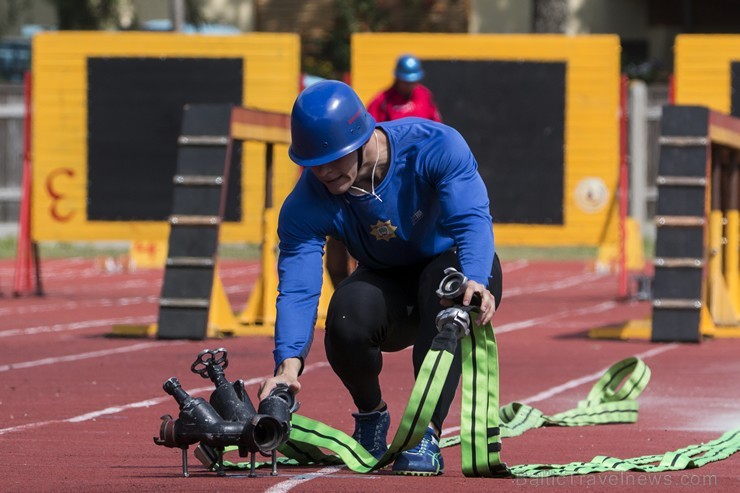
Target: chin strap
x=611, y=400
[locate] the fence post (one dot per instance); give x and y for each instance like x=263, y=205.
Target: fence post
x=638, y=132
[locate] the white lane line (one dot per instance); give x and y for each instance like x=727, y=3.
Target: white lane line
x=49, y=305
x=81, y=356
x=237, y=272
x=237, y=289
x=292, y=483
x=557, y=285
x=524, y=324
x=77, y=305
x=600, y=307
x=546, y=394
x=288, y=485
x=101, y=302
x=117, y=278
x=88, y=324
x=514, y=265
x=533, y=322
x=576, y=382
x=135, y=405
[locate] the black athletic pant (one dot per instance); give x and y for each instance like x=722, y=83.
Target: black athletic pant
x=388, y=310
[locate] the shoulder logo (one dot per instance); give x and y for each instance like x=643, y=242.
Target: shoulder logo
x=383, y=230
x=416, y=217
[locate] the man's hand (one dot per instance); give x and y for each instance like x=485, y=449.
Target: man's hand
x=487, y=304
x=487, y=301
x=287, y=373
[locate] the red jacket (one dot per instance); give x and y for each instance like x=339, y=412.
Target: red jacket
x=392, y=105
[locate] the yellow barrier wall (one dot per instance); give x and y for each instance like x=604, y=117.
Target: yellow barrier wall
x=702, y=69
x=271, y=76
x=591, y=165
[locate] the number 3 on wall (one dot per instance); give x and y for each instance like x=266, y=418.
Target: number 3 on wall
x=57, y=196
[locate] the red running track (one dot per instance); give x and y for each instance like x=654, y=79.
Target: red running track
x=78, y=410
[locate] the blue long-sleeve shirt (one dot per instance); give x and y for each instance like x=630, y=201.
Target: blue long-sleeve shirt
x=432, y=199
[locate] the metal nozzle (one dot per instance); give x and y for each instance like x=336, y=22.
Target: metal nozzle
x=454, y=319
x=452, y=285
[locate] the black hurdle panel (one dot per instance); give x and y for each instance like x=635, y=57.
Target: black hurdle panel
x=681, y=219
x=199, y=186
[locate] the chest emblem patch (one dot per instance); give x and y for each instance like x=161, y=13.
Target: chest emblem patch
x=383, y=230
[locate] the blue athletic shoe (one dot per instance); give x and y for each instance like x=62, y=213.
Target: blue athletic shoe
x=423, y=460
x=371, y=431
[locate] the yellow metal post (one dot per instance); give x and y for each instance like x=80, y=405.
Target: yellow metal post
x=269, y=267
x=221, y=319
x=732, y=257
x=720, y=305
x=258, y=317
x=715, y=243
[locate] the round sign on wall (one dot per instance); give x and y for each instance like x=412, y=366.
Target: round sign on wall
x=591, y=194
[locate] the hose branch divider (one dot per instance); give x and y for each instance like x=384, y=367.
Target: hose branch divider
x=228, y=419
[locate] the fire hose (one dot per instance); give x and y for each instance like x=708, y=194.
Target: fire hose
x=612, y=399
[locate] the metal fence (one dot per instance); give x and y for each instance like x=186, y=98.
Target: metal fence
x=11, y=154
x=645, y=109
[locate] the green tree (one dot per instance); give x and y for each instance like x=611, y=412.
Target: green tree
x=194, y=12
x=329, y=56
x=89, y=15
x=549, y=16
x=86, y=15
x=10, y=12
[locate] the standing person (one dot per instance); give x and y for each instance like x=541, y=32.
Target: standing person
x=407, y=96
x=407, y=200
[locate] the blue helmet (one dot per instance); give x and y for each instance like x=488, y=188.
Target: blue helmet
x=328, y=121
x=408, y=69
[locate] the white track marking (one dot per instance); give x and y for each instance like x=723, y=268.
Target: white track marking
x=288, y=485
x=546, y=394
x=524, y=324
x=101, y=302
x=235, y=272
x=78, y=305
x=576, y=382
x=81, y=356
x=137, y=283
x=109, y=410
x=91, y=272
x=43, y=329
x=533, y=322
x=291, y=483
x=557, y=285
x=507, y=267
x=67, y=305
x=135, y=405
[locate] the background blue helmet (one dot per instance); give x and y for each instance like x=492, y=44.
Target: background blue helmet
x=328, y=121
x=408, y=69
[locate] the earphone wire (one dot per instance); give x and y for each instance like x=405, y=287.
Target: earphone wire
x=372, y=177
